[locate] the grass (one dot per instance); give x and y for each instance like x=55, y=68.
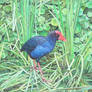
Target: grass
x=69, y=66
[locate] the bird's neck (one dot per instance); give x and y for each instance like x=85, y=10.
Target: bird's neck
x=51, y=39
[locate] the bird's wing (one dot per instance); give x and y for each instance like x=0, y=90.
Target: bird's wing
x=41, y=50
x=33, y=43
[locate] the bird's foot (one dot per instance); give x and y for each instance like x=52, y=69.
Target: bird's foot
x=35, y=68
x=44, y=80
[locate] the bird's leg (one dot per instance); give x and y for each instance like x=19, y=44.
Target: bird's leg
x=41, y=72
x=35, y=65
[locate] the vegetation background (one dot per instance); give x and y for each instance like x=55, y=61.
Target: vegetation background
x=69, y=66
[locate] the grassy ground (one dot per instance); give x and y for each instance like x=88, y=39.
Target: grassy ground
x=69, y=66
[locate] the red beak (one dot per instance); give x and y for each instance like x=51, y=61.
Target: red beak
x=61, y=37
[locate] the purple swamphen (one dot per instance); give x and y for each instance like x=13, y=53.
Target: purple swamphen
x=39, y=46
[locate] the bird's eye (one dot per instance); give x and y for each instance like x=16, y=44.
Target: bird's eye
x=57, y=35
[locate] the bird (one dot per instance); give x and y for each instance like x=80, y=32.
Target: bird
x=39, y=46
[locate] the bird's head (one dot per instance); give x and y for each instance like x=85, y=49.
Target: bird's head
x=59, y=35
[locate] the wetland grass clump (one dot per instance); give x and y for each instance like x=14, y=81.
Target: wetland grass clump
x=69, y=66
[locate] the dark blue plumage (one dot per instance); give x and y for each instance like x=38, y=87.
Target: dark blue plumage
x=39, y=46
